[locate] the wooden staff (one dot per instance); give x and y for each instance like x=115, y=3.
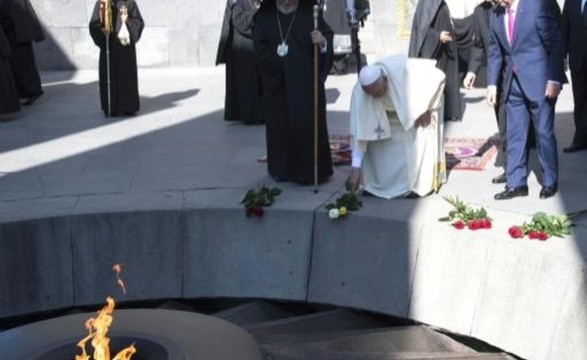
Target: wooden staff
x=106, y=24
x=316, y=13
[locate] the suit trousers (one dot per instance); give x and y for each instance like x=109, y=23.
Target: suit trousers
x=519, y=112
x=579, y=79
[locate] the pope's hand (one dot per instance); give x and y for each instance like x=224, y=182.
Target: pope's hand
x=354, y=180
x=424, y=120
x=469, y=80
x=491, y=96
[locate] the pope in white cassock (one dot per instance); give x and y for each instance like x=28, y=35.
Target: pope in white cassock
x=396, y=135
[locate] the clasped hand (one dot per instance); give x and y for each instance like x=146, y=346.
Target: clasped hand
x=552, y=90
x=445, y=37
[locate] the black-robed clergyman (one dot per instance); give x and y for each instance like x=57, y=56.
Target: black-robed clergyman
x=128, y=25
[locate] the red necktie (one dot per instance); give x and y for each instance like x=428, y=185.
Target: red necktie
x=511, y=25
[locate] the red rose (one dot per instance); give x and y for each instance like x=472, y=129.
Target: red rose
x=516, y=232
x=542, y=236
x=473, y=224
x=458, y=225
x=257, y=211
x=487, y=223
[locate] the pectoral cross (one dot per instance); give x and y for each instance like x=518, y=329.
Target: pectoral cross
x=379, y=131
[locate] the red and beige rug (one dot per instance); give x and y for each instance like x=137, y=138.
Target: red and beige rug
x=469, y=153
x=461, y=153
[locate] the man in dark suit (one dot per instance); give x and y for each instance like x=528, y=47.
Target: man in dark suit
x=574, y=27
x=477, y=62
x=526, y=50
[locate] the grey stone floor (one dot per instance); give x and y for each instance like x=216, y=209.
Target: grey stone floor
x=62, y=156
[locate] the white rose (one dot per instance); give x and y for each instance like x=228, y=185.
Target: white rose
x=333, y=213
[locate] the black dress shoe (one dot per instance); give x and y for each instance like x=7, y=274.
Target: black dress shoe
x=31, y=100
x=548, y=191
x=574, y=147
x=276, y=178
x=499, y=179
x=510, y=193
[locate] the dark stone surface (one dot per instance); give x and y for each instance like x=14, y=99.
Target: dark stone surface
x=228, y=254
x=148, y=245
x=362, y=262
x=35, y=266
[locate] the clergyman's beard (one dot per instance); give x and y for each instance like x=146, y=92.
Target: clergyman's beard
x=287, y=9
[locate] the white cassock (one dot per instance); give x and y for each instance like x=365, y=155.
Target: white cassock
x=398, y=158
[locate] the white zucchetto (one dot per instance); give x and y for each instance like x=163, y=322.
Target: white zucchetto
x=369, y=74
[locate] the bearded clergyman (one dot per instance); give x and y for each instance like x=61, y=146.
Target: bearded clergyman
x=284, y=39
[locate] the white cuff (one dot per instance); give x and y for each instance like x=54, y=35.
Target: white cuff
x=324, y=47
x=357, y=158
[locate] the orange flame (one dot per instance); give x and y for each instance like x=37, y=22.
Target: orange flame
x=98, y=329
x=117, y=269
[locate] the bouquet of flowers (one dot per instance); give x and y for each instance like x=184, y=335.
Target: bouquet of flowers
x=347, y=202
x=462, y=216
x=542, y=227
x=255, y=199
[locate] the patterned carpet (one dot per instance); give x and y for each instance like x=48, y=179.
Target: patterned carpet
x=461, y=153
x=469, y=153
x=340, y=149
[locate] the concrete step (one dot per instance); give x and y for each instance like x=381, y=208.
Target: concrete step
x=253, y=312
x=410, y=339
x=300, y=354
x=323, y=322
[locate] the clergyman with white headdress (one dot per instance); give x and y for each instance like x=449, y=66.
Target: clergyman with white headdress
x=396, y=128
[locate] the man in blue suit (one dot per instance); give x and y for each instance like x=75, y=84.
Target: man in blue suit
x=526, y=50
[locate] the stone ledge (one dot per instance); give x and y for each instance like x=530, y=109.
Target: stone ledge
x=518, y=295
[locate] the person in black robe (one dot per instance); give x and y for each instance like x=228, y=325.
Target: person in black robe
x=433, y=38
x=22, y=28
x=9, y=101
x=127, y=29
x=284, y=42
x=242, y=100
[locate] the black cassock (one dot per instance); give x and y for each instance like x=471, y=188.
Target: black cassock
x=22, y=28
x=288, y=89
x=430, y=19
x=124, y=88
x=243, y=85
x=9, y=101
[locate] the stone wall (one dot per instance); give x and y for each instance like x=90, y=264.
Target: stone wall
x=183, y=33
